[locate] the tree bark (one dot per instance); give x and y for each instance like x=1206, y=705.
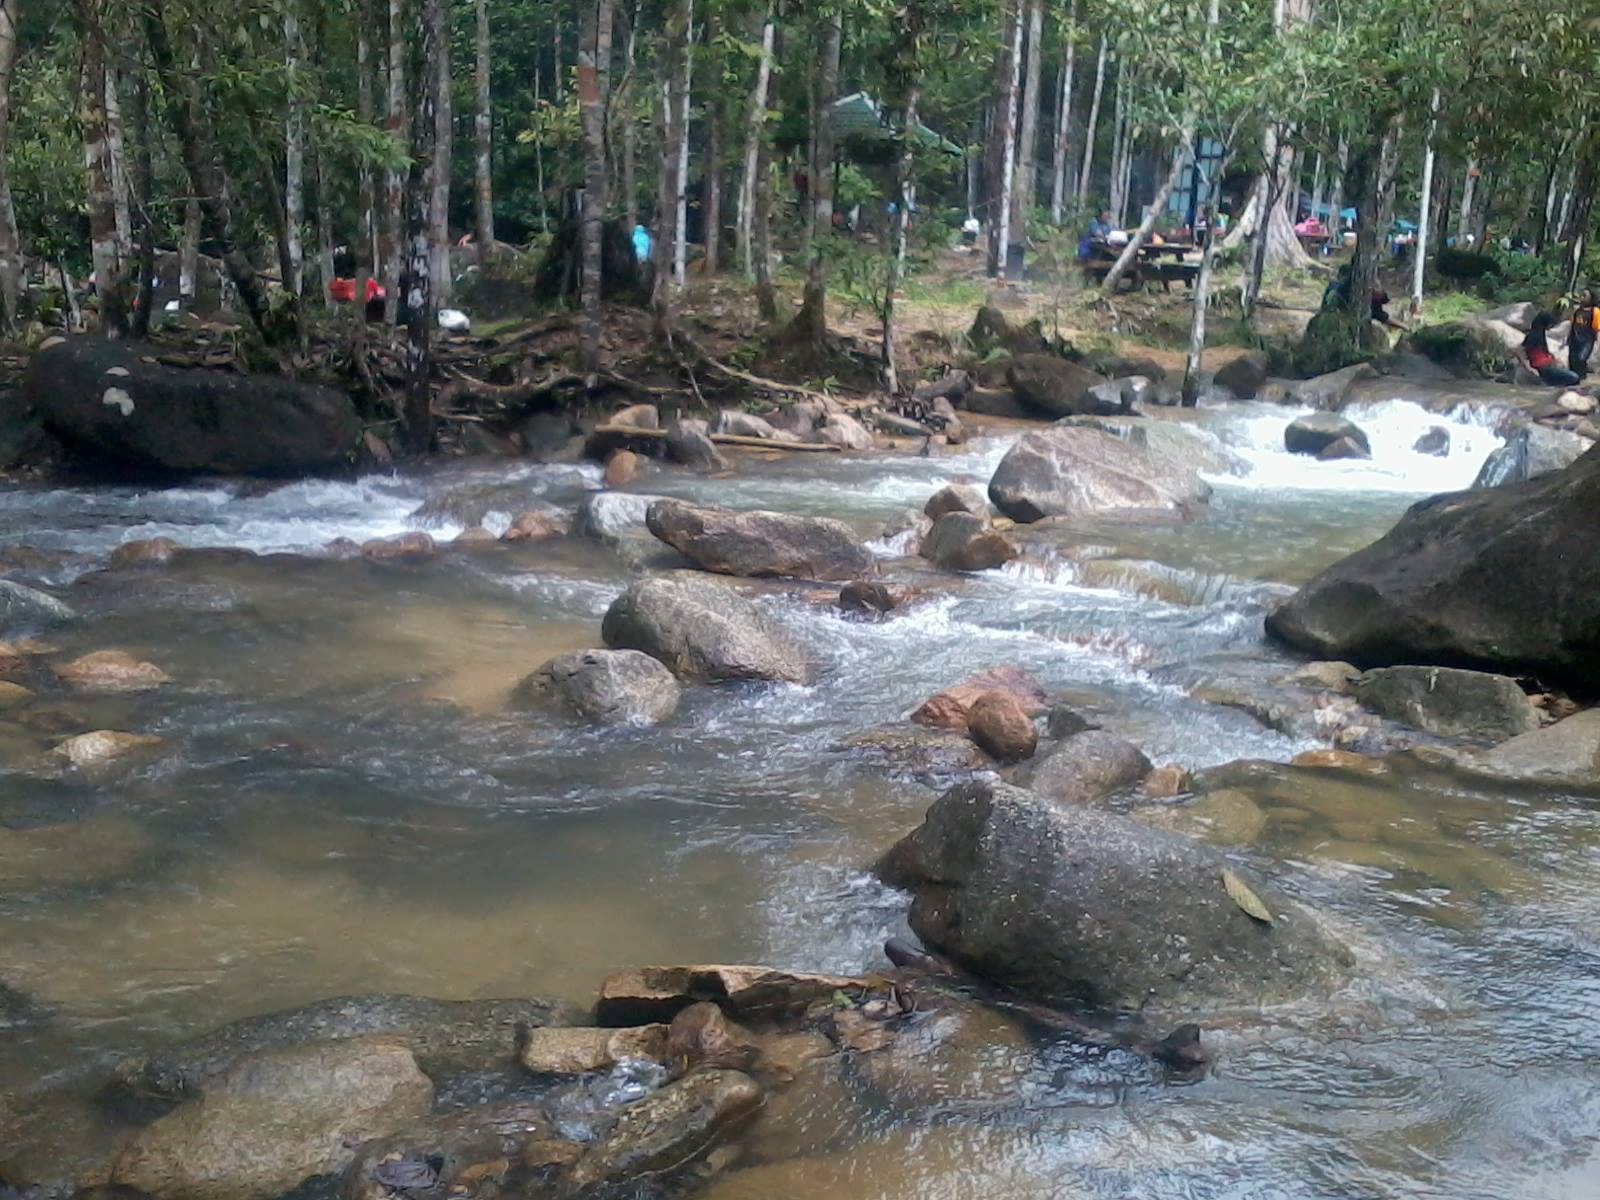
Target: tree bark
x=630, y=123
x=1195, y=358
x=366, y=251
x=905, y=197
x=121, y=189
x=684, y=94
x=294, y=168
x=324, y=229
x=1424, y=211
x=594, y=61
x=1094, y=120
x=811, y=322
x=110, y=267
x=712, y=175
x=10, y=240
x=483, y=139
x=1468, y=192
x=754, y=135
x=675, y=47
x=1058, y=183
x=420, y=305
x=398, y=122
x=1022, y=197
x=1116, y=201
x=142, y=182
x=189, y=253
x=761, y=234
x=1005, y=154
x=443, y=143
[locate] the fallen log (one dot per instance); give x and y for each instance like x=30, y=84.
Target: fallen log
x=721, y=439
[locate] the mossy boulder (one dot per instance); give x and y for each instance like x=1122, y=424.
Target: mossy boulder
x=1463, y=348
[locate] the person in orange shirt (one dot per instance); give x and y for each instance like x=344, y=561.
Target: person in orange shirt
x=1580, y=341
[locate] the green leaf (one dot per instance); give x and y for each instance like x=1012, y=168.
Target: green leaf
x=1240, y=893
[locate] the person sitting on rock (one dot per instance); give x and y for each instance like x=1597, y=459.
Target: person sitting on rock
x=1536, y=353
x=1581, y=337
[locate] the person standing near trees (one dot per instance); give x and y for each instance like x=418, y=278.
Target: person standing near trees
x=1581, y=338
x=1536, y=352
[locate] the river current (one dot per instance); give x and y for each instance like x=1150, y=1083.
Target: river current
x=346, y=802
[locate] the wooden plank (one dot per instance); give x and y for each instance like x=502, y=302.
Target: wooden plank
x=724, y=439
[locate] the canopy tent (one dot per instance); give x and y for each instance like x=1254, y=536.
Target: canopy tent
x=859, y=117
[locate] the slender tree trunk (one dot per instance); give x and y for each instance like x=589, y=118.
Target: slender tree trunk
x=1094, y=121
x=675, y=49
x=189, y=254
x=324, y=229
x=1195, y=359
x=594, y=61
x=713, y=187
x=628, y=108
x=398, y=122
x=905, y=197
x=1152, y=214
x=1586, y=177
x=558, y=87
x=483, y=139
x=761, y=234
x=10, y=240
x=110, y=267
x=1005, y=157
x=684, y=97
x=1491, y=182
x=1119, y=134
x=755, y=131
x=142, y=182
x=365, y=250
x=811, y=322
x=294, y=170
x=1468, y=192
x=1336, y=192
x=121, y=189
x=443, y=145
x=1022, y=198
x=420, y=305
x=1058, y=183
x=1424, y=211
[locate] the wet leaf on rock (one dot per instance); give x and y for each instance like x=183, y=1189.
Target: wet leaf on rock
x=1239, y=892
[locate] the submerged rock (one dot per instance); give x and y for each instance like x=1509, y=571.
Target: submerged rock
x=919, y=750
x=1083, y=907
x=703, y=631
x=445, y=1036
x=1564, y=754
x=1087, y=767
x=103, y=746
x=645, y=995
x=275, y=1120
x=1530, y=452
x=112, y=402
x=960, y=541
x=1505, y=579
x=948, y=709
x=608, y=686
x=1471, y=704
x=451, y=1153
x=400, y=547
x=110, y=672
x=1435, y=443
x=1082, y=469
x=577, y=1050
x=759, y=544
x=145, y=552
x=23, y=607
x=1316, y=432
x=534, y=526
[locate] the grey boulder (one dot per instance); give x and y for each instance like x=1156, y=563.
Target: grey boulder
x=1074, y=470
x=702, y=631
x=606, y=686
x=1054, y=387
x=1449, y=702
x=960, y=541
x=1530, y=452
x=758, y=543
x=1315, y=432
x=23, y=607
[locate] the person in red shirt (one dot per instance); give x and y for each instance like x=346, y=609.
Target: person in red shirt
x=1536, y=352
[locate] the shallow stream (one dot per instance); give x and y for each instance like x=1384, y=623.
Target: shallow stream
x=347, y=803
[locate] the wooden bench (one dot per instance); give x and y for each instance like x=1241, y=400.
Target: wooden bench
x=1175, y=272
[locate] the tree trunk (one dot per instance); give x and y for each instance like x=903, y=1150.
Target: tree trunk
x=10, y=240
x=761, y=234
x=366, y=248
x=630, y=124
x=675, y=47
x=110, y=268
x=1119, y=134
x=684, y=95
x=189, y=254
x=810, y=324
x=594, y=61
x=1468, y=193
x=294, y=159
x=754, y=132
x=1094, y=120
x=1194, y=360
x=1005, y=156
x=443, y=143
x=398, y=122
x=1424, y=211
x=1022, y=196
x=1152, y=214
x=712, y=175
x=142, y=183
x=420, y=305
x=1485, y=208
x=1336, y=192
x=324, y=229
x=121, y=190
x=1058, y=182
x=905, y=197
x=483, y=140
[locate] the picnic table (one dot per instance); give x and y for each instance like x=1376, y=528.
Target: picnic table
x=1147, y=267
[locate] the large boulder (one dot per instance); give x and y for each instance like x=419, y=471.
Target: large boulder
x=1315, y=432
x=843, y=431
x=689, y=442
x=702, y=631
x=759, y=544
x=735, y=423
x=1244, y=376
x=1086, y=767
x=111, y=401
x=1055, y=387
x=1530, y=452
x=1464, y=348
x=1506, y=579
x=1566, y=754
x=1327, y=392
x=608, y=686
x=957, y=498
x=960, y=541
x=23, y=607
x=1086, y=908
x=1082, y=470
x=1452, y=703
x=276, y=1120
x=616, y=520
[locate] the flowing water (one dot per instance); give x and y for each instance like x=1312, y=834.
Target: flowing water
x=346, y=802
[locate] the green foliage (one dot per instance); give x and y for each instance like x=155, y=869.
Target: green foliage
x=1460, y=347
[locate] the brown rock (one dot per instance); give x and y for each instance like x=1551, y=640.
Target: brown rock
x=871, y=597
x=14, y=695
x=621, y=468
x=948, y=709
x=1339, y=760
x=475, y=538
x=958, y=497
x=760, y=543
x=960, y=541
x=110, y=672
x=637, y=416
x=1001, y=727
x=400, y=546
x=1087, y=767
x=534, y=527
x=343, y=547
x=563, y=1050
x=647, y=994
x=103, y=746
x=701, y=1036
x=1163, y=783
x=144, y=552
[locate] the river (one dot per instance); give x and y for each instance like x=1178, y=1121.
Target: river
x=347, y=803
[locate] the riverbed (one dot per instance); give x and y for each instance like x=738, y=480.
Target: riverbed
x=347, y=802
